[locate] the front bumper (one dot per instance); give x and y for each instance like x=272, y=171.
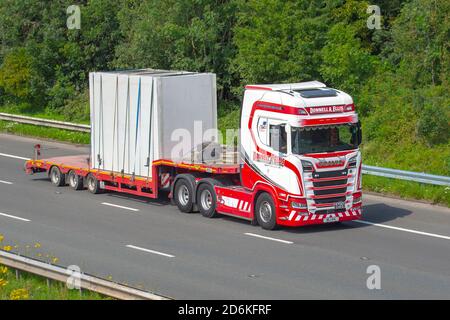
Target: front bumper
x=297, y=219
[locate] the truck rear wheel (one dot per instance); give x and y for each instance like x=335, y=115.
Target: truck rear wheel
x=57, y=177
x=75, y=181
x=184, y=196
x=207, y=200
x=265, y=212
x=93, y=184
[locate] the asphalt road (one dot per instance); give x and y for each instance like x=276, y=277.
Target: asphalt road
x=150, y=244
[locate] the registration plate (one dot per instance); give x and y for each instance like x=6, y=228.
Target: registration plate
x=339, y=205
x=330, y=219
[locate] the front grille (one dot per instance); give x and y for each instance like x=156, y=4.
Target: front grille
x=330, y=174
x=330, y=200
x=330, y=191
x=329, y=211
x=329, y=183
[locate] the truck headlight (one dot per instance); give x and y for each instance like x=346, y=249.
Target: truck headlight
x=299, y=205
x=307, y=166
x=352, y=162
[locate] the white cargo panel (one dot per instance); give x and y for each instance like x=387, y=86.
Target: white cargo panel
x=135, y=113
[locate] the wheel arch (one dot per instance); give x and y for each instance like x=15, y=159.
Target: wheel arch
x=263, y=188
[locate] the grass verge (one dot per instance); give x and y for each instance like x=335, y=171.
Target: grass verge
x=44, y=132
x=407, y=189
x=32, y=287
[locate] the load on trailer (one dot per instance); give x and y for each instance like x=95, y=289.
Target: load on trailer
x=299, y=159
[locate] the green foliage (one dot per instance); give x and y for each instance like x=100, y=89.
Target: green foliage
x=434, y=124
x=346, y=64
x=280, y=41
x=421, y=48
x=18, y=77
x=180, y=35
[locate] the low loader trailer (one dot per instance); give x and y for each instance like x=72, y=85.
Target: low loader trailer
x=298, y=161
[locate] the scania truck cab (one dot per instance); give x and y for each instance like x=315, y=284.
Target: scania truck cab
x=299, y=144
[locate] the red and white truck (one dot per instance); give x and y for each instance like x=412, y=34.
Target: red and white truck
x=298, y=162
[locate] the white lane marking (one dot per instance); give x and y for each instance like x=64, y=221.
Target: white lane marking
x=14, y=217
x=5, y=182
x=150, y=251
x=403, y=229
x=13, y=156
x=120, y=207
x=267, y=238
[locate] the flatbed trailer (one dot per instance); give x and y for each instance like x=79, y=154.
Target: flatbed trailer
x=78, y=166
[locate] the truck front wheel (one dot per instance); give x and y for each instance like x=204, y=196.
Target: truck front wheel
x=206, y=200
x=265, y=212
x=183, y=196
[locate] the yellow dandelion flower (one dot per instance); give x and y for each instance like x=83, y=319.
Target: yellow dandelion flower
x=7, y=248
x=3, y=270
x=55, y=260
x=37, y=245
x=19, y=294
x=3, y=282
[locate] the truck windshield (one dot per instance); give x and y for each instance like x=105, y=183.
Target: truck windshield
x=325, y=138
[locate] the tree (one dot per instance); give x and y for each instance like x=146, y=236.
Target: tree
x=178, y=34
x=420, y=41
x=280, y=41
x=18, y=76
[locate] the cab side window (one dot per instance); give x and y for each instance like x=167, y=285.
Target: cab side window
x=278, y=137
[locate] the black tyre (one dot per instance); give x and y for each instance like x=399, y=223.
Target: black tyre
x=93, y=184
x=207, y=200
x=184, y=196
x=57, y=177
x=75, y=181
x=265, y=212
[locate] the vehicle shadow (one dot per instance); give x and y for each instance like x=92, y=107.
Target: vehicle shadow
x=161, y=201
x=376, y=213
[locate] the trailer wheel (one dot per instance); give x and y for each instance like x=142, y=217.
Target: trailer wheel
x=93, y=184
x=207, y=200
x=57, y=177
x=183, y=196
x=75, y=181
x=265, y=212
